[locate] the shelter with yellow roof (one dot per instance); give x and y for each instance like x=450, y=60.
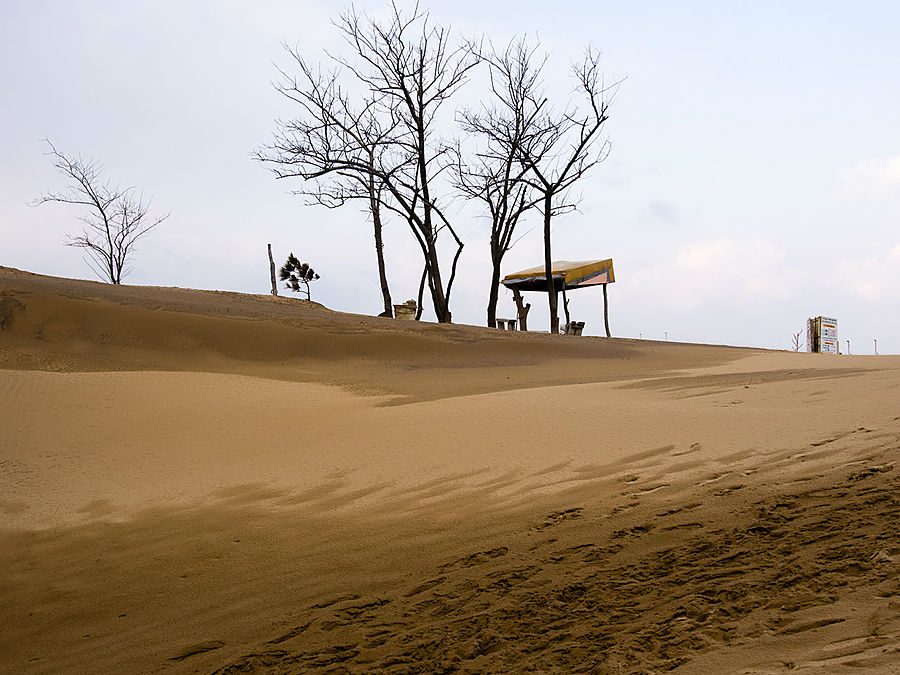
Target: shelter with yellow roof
x=566, y=276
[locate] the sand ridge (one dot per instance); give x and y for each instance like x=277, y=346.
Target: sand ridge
x=70, y=325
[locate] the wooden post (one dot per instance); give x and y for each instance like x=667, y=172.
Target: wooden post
x=566, y=303
x=272, y=272
x=606, y=312
x=521, y=310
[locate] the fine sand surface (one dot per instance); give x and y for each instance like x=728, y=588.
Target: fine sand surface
x=194, y=481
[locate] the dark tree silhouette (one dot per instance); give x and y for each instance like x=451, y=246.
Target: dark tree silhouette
x=556, y=149
x=331, y=126
x=116, y=217
x=494, y=175
x=561, y=148
x=387, y=141
x=296, y=273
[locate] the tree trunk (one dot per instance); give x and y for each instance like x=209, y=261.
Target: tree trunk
x=441, y=310
x=272, y=272
x=493, y=296
x=436, y=285
x=606, y=312
x=521, y=309
x=566, y=304
x=421, y=292
x=379, y=249
x=548, y=267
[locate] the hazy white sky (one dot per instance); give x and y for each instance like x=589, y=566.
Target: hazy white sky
x=754, y=178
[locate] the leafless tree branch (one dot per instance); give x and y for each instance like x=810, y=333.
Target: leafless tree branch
x=116, y=217
x=556, y=149
x=388, y=144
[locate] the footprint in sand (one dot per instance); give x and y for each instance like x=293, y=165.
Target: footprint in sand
x=808, y=625
x=869, y=472
x=559, y=516
x=695, y=447
x=686, y=507
x=683, y=526
x=199, y=648
x=476, y=558
x=428, y=585
x=291, y=634
x=728, y=490
x=334, y=601
x=636, y=531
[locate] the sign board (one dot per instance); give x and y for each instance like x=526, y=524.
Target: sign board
x=828, y=335
x=822, y=335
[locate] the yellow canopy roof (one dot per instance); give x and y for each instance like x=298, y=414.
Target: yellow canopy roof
x=578, y=274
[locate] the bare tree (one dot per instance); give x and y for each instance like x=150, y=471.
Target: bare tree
x=408, y=69
x=334, y=145
x=495, y=175
x=116, y=219
x=560, y=148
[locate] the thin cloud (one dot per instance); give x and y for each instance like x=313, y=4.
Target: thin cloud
x=872, y=278
x=716, y=273
x=662, y=211
x=871, y=179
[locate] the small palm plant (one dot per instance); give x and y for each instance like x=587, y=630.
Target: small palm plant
x=296, y=273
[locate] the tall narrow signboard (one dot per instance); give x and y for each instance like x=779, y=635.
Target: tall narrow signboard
x=822, y=335
x=828, y=335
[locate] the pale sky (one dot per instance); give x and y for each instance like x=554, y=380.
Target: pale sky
x=754, y=177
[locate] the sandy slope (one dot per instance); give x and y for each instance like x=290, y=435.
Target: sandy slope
x=212, y=482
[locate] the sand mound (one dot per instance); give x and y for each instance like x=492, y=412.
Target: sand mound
x=199, y=481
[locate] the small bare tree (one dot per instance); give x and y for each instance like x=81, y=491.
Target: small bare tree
x=495, y=175
x=330, y=132
x=116, y=219
x=795, y=340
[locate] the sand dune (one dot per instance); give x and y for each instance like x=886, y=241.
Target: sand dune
x=195, y=481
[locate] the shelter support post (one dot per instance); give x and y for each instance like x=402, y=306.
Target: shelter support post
x=606, y=312
x=521, y=309
x=566, y=304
